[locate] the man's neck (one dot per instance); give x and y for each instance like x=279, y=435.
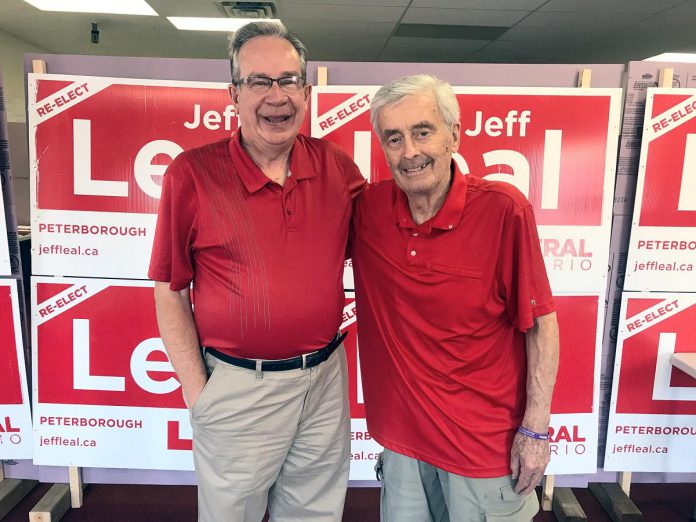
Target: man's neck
x=424, y=206
x=274, y=162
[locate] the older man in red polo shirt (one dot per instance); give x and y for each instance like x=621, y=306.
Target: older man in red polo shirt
x=458, y=334
x=259, y=222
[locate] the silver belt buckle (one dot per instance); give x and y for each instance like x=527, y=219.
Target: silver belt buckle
x=304, y=361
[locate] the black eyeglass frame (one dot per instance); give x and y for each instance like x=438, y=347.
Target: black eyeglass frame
x=301, y=81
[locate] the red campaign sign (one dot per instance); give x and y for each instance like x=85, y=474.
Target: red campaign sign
x=350, y=326
x=102, y=144
x=10, y=378
x=668, y=193
x=558, y=143
x=664, y=321
x=573, y=392
x=97, y=343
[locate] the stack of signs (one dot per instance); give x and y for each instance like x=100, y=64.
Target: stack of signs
x=558, y=146
x=105, y=394
x=15, y=415
x=652, y=420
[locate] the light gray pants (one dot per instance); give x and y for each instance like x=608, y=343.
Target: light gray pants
x=413, y=491
x=281, y=440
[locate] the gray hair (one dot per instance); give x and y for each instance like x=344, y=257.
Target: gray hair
x=396, y=90
x=256, y=29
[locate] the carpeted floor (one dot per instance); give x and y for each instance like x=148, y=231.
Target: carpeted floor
x=134, y=503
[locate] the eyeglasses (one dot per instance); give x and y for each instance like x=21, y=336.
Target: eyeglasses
x=261, y=84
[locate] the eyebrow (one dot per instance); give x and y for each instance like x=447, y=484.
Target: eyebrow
x=423, y=125
x=282, y=74
x=420, y=125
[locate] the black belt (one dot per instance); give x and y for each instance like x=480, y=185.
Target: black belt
x=307, y=360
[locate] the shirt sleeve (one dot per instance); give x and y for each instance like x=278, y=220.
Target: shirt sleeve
x=171, y=260
x=527, y=289
x=355, y=181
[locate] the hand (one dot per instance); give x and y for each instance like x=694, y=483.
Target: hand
x=528, y=460
x=191, y=396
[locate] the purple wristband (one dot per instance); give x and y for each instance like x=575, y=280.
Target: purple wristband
x=534, y=434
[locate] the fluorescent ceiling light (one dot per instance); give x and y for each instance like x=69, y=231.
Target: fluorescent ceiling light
x=673, y=57
x=186, y=23
x=127, y=7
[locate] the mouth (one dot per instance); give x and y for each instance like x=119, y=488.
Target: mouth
x=276, y=119
x=416, y=169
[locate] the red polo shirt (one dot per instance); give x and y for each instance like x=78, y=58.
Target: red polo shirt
x=266, y=261
x=442, y=308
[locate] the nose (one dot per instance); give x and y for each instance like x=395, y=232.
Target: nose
x=275, y=94
x=410, y=147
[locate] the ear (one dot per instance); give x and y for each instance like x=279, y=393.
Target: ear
x=234, y=93
x=307, y=93
x=456, y=133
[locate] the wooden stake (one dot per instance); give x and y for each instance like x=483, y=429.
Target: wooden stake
x=322, y=76
x=53, y=505
x=666, y=76
x=547, y=492
x=615, y=502
x=75, y=486
x=38, y=66
x=585, y=78
x=625, y=482
x=566, y=507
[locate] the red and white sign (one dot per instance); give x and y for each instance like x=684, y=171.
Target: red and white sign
x=5, y=266
x=575, y=403
x=98, y=148
x=15, y=414
x=558, y=146
x=652, y=421
x=105, y=393
x=662, y=251
x=364, y=450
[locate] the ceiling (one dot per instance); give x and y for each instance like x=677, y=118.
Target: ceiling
x=528, y=31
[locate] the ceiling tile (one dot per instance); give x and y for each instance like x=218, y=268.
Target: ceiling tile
x=580, y=19
x=612, y=6
x=439, y=45
x=686, y=8
x=421, y=15
x=331, y=27
x=499, y=5
x=343, y=12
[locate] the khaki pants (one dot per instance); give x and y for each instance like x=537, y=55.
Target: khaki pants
x=413, y=491
x=280, y=439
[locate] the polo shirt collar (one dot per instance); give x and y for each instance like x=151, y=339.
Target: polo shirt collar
x=449, y=215
x=253, y=177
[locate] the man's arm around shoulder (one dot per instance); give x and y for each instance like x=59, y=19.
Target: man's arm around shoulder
x=178, y=331
x=529, y=456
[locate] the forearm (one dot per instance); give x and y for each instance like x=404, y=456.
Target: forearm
x=180, y=338
x=542, y=365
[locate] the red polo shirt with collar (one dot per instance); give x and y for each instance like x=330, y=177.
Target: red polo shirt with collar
x=442, y=308
x=266, y=260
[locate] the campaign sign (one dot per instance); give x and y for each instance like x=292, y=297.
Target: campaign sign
x=575, y=403
x=558, y=146
x=98, y=149
x=15, y=415
x=662, y=251
x=652, y=420
x=105, y=393
x=364, y=449
x=5, y=265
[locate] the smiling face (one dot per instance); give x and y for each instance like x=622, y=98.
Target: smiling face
x=270, y=120
x=417, y=143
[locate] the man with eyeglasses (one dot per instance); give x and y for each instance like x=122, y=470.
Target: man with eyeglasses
x=259, y=222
